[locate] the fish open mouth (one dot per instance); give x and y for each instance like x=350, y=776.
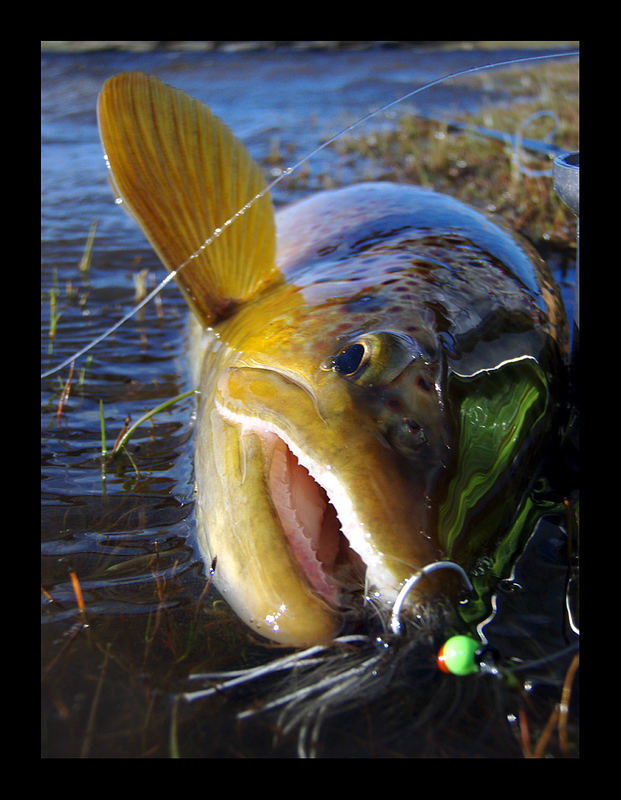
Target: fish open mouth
x=311, y=525
x=328, y=544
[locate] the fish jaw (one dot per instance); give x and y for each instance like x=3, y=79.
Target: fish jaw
x=290, y=582
x=238, y=530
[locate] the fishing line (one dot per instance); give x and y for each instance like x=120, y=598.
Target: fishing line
x=573, y=648
x=285, y=173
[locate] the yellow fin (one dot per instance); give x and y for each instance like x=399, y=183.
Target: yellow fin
x=182, y=174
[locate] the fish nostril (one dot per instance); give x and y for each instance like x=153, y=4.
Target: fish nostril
x=417, y=434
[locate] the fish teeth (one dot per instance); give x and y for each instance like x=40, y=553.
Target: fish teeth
x=301, y=509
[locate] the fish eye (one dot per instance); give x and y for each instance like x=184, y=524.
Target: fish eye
x=348, y=361
x=375, y=358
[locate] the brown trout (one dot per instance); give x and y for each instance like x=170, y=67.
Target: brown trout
x=337, y=348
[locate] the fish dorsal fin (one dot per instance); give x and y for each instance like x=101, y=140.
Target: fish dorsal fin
x=182, y=174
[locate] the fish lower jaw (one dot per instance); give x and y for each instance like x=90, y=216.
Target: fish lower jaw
x=333, y=549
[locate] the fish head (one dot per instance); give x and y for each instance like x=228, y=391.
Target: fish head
x=335, y=413
x=342, y=475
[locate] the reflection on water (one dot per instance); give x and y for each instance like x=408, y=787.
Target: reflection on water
x=123, y=526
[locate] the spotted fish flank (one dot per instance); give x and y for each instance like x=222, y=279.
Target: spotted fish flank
x=333, y=346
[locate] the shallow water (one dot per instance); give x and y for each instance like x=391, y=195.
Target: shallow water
x=110, y=676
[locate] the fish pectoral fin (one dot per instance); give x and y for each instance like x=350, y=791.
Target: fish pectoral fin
x=184, y=176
